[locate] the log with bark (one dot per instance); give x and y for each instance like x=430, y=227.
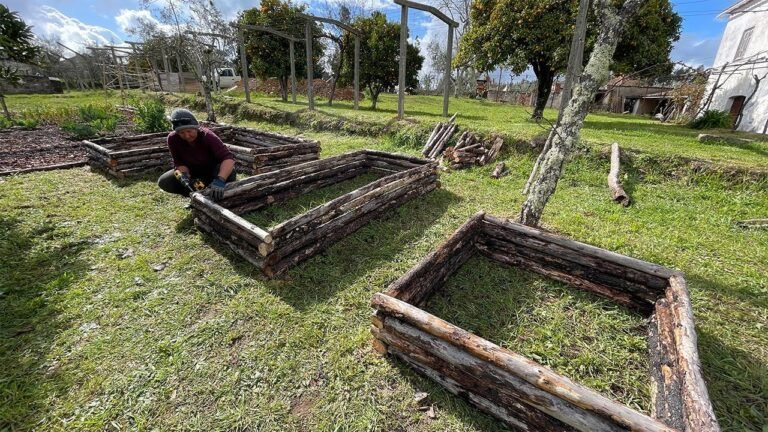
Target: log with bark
x=439, y=138
x=617, y=191
x=471, y=151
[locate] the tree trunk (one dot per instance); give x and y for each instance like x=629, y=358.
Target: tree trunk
x=5, y=107
x=545, y=77
x=566, y=134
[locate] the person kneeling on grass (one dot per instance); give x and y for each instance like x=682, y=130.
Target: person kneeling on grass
x=197, y=154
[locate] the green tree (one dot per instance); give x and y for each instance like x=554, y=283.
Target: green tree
x=510, y=32
x=16, y=44
x=379, y=54
x=268, y=55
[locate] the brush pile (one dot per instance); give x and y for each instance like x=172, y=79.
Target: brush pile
x=471, y=150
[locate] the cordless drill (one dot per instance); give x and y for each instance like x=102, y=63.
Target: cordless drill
x=194, y=185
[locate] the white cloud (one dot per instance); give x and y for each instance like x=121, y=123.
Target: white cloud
x=694, y=50
x=49, y=22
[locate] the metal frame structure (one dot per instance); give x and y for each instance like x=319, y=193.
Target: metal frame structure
x=405, y=4
x=343, y=26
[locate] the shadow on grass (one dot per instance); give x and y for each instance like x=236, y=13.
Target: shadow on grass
x=320, y=277
x=737, y=382
x=38, y=270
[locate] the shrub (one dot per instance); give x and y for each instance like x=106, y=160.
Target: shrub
x=712, y=119
x=150, y=116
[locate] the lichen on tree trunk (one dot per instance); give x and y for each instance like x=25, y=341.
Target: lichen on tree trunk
x=566, y=134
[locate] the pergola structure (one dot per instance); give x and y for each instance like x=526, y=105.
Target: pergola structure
x=244, y=63
x=343, y=26
x=405, y=4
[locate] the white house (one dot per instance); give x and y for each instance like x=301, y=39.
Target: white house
x=742, y=55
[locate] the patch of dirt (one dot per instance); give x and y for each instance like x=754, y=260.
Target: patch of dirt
x=47, y=145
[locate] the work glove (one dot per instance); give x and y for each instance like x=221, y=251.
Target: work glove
x=217, y=188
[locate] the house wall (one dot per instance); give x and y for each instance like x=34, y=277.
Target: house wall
x=741, y=83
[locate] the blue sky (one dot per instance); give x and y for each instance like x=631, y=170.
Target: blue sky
x=77, y=23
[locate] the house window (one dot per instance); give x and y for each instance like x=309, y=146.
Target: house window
x=744, y=43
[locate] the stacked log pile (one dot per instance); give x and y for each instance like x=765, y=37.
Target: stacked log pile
x=258, y=152
x=276, y=249
x=519, y=391
x=439, y=138
x=471, y=150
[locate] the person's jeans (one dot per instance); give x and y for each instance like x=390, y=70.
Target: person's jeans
x=169, y=183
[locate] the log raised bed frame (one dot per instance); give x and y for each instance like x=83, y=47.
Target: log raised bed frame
x=519, y=391
x=275, y=249
x=255, y=151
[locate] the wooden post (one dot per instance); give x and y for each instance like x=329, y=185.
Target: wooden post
x=293, y=71
x=357, y=72
x=119, y=70
x=403, y=55
x=308, y=35
x=447, y=78
x=244, y=65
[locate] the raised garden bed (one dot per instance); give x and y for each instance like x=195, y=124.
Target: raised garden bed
x=275, y=249
x=255, y=151
x=519, y=391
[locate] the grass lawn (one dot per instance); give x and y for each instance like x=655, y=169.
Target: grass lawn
x=118, y=314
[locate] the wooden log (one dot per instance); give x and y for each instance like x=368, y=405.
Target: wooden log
x=396, y=156
x=320, y=227
x=246, y=253
x=468, y=386
x=419, y=282
x=283, y=229
x=500, y=170
x=666, y=389
x=622, y=297
x=219, y=213
x=655, y=283
x=338, y=234
x=273, y=188
x=542, y=378
x=617, y=191
x=613, y=257
x=257, y=181
x=533, y=407
x=263, y=201
x=430, y=141
x=699, y=415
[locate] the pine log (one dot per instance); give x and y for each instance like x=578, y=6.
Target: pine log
x=219, y=213
x=559, y=387
x=248, y=254
x=656, y=283
x=252, y=204
x=336, y=235
x=371, y=203
x=260, y=180
x=286, y=227
x=666, y=388
x=500, y=170
x=697, y=408
x=617, y=191
x=532, y=407
x=623, y=260
x=419, y=282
